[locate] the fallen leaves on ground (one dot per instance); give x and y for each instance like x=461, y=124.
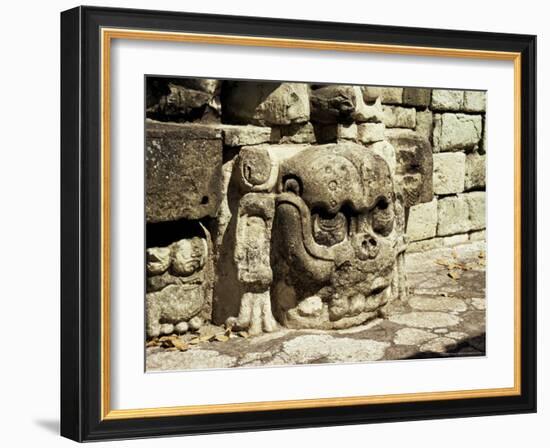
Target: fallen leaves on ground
x=456, y=268
x=176, y=343
x=170, y=343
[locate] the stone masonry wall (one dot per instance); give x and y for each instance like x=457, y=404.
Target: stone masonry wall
x=444, y=185
x=455, y=123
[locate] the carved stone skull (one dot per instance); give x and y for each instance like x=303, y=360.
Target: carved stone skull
x=335, y=238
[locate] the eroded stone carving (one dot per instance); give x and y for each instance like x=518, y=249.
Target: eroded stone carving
x=178, y=286
x=318, y=237
x=303, y=235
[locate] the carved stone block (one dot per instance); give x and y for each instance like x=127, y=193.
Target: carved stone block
x=179, y=285
x=414, y=172
x=266, y=103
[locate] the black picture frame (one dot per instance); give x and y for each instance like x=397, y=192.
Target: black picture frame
x=81, y=208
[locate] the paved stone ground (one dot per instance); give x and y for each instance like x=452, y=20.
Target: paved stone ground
x=444, y=317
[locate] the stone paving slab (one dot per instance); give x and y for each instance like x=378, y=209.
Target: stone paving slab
x=444, y=316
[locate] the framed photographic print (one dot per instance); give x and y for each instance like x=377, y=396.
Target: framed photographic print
x=276, y=224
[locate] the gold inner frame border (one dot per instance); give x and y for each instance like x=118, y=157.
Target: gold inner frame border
x=107, y=35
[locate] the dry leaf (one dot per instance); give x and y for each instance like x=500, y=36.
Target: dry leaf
x=222, y=338
x=243, y=334
x=194, y=341
x=180, y=345
x=207, y=337
x=152, y=343
x=455, y=275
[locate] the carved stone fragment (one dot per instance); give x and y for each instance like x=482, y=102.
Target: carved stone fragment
x=179, y=285
x=414, y=170
x=183, y=99
x=266, y=103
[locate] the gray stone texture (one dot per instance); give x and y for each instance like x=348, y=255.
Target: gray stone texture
x=244, y=135
x=370, y=132
x=476, y=206
x=417, y=96
x=474, y=101
x=414, y=170
x=453, y=215
x=454, y=132
x=443, y=99
x=399, y=117
x=387, y=95
x=424, y=124
x=266, y=103
x=334, y=132
x=422, y=223
x=474, y=177
x=178, y=182
x=449, y=170
x=183, y=99
x=333, y=104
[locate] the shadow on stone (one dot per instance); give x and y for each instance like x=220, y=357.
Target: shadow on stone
x=472, y=346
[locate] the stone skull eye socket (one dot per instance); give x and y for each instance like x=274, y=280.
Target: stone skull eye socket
x=382, y=217
x=328, y=229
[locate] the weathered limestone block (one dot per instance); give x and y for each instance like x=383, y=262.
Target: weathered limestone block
x=370, y=132
x=414, y=171
x=449, y=170
x=476, y=206
x=475, y=171
x=183, y=171
x=387, y=95
x=424, y=245
x=454, y=132
x=454, y=240
x=453, y=215
x=334, y=132
x=443, y=99
x=424, y=124
x=182, y=99
x=244, y=135
x=474, y=101
x=477, y=236
x=422, y=222
x=179, y=285
x=266, y=103
x=296, y=133
x=417, y=96
x=437, y=242
x=399, y=117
